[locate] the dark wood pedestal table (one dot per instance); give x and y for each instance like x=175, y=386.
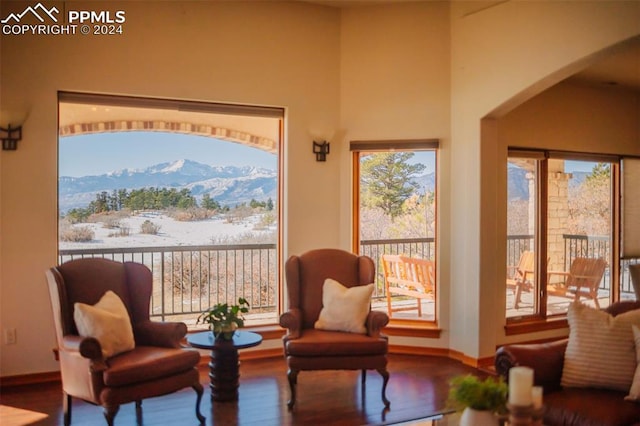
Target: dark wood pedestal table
x=224, y=365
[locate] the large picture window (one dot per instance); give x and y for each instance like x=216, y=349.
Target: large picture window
x=562, y=243
x=190, y=189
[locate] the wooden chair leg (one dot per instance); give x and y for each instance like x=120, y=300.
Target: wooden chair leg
x=389, y=303
x=419, y=307
x=385, y=379
x=518, y=294
x=110, y=413
x=139, y=412
x=199, y=391
x=292, y=375
x=66, y=408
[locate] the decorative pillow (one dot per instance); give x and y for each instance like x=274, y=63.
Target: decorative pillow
x=634, y=393
x=108, y=321
x=600, y=352
x=343, y=308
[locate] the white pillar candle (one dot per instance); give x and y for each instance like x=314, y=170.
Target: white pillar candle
x=536, y=396
x=520, y=385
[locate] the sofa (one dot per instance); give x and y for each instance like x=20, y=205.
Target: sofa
x=564, y=406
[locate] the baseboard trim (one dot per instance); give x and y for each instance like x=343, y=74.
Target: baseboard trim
x=30, y=379
x=482, y=363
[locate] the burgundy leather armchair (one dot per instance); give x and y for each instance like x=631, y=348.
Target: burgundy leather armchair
x=569, y=406
x=158, y=365
x=307, y=348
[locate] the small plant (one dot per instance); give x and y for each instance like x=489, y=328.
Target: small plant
x=77, y=234
x=123, y=231
x=148, y=227
x=470, y=391
x=225, y=319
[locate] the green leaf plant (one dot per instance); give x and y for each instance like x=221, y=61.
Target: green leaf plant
x=470, y=391
x=224, y=319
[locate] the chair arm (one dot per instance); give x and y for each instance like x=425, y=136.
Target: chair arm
x=546, y=359
x=292, y=321
x=88, y=347
x=163, y=334
x=376, y=320
x=85, y=347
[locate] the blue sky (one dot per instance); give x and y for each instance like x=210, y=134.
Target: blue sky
x=101, y=153
x=96, y=154
x=579, y=166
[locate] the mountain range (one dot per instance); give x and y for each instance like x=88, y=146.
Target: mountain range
x=229, y=185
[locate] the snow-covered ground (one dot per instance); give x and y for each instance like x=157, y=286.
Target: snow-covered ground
x=172, y=232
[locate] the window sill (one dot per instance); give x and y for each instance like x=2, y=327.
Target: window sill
x=534, y=325
x=395, y=328
x=411, y=328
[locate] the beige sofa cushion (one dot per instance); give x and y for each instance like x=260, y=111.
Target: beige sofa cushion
x=634, y=392
x=600, y=352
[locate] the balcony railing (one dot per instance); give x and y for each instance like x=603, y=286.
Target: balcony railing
x=413, y=247
x=189, y=279
x=593, y=246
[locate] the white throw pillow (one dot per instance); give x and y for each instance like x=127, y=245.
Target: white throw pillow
x=343, y=308
x=108, y=321
x=634, y=393
x=600, y=352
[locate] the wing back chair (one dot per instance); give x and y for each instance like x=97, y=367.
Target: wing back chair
x=309, y=348
x=157, y=365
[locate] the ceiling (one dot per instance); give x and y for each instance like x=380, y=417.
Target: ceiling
x=620, y=69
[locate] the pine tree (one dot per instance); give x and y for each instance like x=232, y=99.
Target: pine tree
x=388, y=180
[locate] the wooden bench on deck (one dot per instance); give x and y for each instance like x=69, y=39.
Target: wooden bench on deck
x=410, y=277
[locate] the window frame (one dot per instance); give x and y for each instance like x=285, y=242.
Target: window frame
x=192, y=106
x=397, y=326
x=540, y=320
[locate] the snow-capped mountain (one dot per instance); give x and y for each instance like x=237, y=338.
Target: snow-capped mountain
x=229, y=185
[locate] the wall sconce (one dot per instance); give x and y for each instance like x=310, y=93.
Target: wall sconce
x=10, y=137
x=321, y=149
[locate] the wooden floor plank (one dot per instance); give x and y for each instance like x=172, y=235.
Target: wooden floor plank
x=418, y=387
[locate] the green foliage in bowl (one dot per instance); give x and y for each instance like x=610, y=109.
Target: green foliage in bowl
x=470, y=391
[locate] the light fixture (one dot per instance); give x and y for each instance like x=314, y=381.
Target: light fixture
x=321, y=149
x=10, y=137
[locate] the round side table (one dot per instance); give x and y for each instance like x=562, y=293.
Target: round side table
x=224, y=367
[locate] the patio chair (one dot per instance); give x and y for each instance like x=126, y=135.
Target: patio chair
x=127, y=357
x=582, y=279
x=522, y=276
x=408, y=276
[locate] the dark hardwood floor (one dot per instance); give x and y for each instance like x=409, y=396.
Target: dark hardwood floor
x=418, y=387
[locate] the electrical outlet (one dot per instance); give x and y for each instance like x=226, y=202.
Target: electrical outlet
x=10, y=336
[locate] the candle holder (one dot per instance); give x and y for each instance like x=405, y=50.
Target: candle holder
x=520, y=415
x=536, y=416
